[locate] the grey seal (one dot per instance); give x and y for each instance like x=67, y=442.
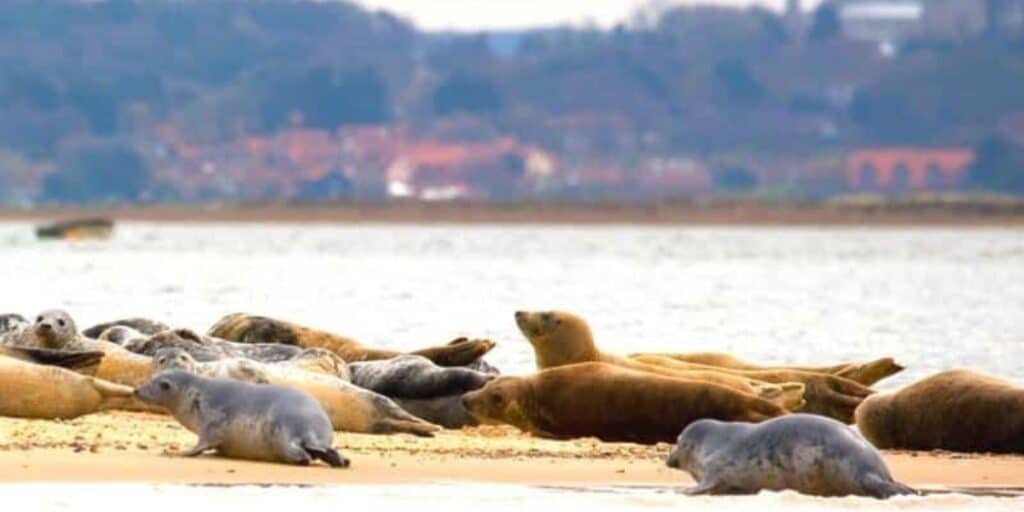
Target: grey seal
x=142, y=325
x=246, y=421
x=412, y=376
x=11, y=322
x=52, y=329
x=209, y=348
x=809, y=454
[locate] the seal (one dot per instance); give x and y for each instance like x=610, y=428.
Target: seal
x=446, y=411
x=800, y=452
x=245, y=421
x=39, y=391
x=559, y=338
x=349, y=407
x=55, y=329
x=210, y=348
x=826, y=395
x=611, y=403
x=956, y=410
x=411, y=376
x=245, y=328
x=864, y=373
x=141, y=325
x=10, y=322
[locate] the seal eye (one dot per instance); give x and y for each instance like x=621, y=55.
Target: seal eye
x=39, y=318
x=165, y=386
x=60, y=322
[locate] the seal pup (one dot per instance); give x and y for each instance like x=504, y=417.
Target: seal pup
x=210, y=348
x=956, y=410
x=41, y=391
x=611, y=403
x=412, y=376
x=245, y=421
x=141, y=325
x=801, y=452
x=350, y=408
x=560, y=339
x=245, y=328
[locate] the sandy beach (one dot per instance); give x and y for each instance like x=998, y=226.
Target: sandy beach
x=130, y=447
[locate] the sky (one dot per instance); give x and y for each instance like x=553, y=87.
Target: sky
x=470, y=15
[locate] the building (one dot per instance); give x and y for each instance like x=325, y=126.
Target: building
x=894, y=21
x=902, y=170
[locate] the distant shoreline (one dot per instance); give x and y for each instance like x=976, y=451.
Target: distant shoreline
x=936, y=212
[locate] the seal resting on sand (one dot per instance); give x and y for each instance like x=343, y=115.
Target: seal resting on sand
x=808, y=454
x=244, y=328
x=349, y=407
x=143, y=326
x=53, y=329
x=611, y=403
x=865, y=374
x=42, y=391
x=206, y=348
x=411, y=376
x=56, y=330
x=246, y=421
x=560, y=338
x=955, y=410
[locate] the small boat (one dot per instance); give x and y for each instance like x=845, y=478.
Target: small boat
x=77, y=229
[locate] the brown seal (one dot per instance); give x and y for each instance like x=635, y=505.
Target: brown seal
x=244, y=328
x=867, y=373
x=826, y=395
x=559, y=338
x=611, y=403
x=49, y=392
x=956, y=410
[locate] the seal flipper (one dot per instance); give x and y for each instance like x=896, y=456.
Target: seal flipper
x=80, y=361
x=871, y=372
x=416, y=428
x=460, y=352
x=881, y=488
x=330, y=456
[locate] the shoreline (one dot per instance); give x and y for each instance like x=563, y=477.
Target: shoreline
x=716, y=213
x=128, y=447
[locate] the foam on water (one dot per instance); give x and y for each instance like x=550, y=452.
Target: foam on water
x=448, y=498
x=933, y=298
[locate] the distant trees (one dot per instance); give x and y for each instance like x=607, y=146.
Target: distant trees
x=738, y=82
x=826, y=24
x=327, y=99
x=998, y=166
x=98, y=171
x=464, y=92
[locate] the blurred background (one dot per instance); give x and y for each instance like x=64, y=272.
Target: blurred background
x=256, y=101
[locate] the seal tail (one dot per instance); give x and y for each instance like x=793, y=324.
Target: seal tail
x=116, y=396
x=417, y=428
x=79, y=361
x=329, y=455
x=881, y=488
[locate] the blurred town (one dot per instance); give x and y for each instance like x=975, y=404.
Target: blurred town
x=124, y=101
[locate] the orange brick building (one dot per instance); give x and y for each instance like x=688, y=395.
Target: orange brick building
x=907, y=169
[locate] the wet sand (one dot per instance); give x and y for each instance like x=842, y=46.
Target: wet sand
x=129, y=447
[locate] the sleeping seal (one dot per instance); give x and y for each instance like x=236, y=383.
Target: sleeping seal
x=143, y=326
x=805, y=453
x=209, y=348
x=34, y=389
x=412, y=376
x=245, y=421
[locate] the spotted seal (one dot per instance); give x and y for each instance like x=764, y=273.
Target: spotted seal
x=209, y=348
x=246, y=421
x=801, y=452
x=143, y=326
x=349, y=407
x=53, y=329
x=412, y=376
x=245, y=328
